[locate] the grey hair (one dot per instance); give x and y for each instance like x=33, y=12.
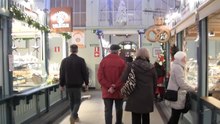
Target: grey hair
x=180, y=55
x=142, y=53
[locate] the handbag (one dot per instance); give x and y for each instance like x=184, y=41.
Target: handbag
x=130, y=84
x=180, y=103
x=171, y=95
x=187, y=106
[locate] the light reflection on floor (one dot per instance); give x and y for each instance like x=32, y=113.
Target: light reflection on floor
x=92, y=112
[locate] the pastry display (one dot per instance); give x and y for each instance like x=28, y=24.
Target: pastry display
x=213, y=75
x=28, y=72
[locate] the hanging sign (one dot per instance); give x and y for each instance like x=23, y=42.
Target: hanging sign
x=158, y=32
x=96, y=52
x=61, y=19
x=78, y=38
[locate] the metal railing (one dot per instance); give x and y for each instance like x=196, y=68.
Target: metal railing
x=210, y=110
x=22, y=107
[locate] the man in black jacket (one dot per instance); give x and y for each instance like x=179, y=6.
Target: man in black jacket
x=73, y=73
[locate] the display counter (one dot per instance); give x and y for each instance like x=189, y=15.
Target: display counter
x=210, y=110
x=213, y=76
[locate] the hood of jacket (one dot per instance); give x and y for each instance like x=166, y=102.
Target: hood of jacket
x=142, y=65
x=178, y=62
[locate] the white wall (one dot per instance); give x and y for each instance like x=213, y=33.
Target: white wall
x=55, y=57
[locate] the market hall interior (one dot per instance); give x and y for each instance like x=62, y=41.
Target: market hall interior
x=35, y=35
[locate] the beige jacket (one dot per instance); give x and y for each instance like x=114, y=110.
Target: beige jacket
x=177, y=81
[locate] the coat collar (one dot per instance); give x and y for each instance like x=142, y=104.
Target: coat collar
x=73, y=54
x=179, y=63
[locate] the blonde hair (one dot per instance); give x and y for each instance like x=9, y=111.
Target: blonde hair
x=142, y=53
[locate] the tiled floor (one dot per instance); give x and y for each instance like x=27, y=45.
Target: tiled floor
x=92, y=112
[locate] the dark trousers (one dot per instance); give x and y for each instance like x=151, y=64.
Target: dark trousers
x=138, y=118
x=108, y=110
x=175, y=115
x=75, y=100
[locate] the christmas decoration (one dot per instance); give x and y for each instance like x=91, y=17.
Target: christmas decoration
x=19, y=15
x=122, y=13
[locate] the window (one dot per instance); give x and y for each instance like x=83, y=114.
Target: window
x=29, y=70
x=120, y=12
x=79, y=10
x=190, y=44
x=214, y=55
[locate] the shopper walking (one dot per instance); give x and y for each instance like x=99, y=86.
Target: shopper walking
x=177, y=82
x=140, y=102
x=109, y=76
x=73, y=73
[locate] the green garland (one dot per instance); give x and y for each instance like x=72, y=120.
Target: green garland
x=17, y=14
x=66, y=35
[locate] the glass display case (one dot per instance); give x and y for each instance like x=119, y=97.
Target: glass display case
x=192, y=72
x=28, y=72
x=214, y=55
x=28, y=65
x=213, y=75
x=190, y=46
x=214, y=68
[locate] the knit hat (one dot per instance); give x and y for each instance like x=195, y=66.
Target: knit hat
x=115, y=47
x=179, y=55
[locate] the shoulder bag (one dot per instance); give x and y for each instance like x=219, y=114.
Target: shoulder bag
x=187, y=106
x=130, y=84
x=171, y=95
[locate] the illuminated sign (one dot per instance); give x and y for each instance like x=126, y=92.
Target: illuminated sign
x=60, y=19
x=78, y=38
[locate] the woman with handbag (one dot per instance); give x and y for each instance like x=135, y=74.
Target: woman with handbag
x=177, y=83
x=140, y=101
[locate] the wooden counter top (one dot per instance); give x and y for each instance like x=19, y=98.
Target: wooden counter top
x=212, y=101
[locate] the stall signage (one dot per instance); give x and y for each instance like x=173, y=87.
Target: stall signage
x=78, y=38
x=61, y=19
x=96, y=52
x=56, y=49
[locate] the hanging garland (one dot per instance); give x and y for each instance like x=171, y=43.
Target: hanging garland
x=19, y=15
x=66, y=35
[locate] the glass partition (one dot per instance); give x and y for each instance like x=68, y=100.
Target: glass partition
x=29, y=69
x=214, y=54
x=190, y=43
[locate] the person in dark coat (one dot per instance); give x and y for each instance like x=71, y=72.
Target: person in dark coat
x=140, y=102
x=73, y=73
x=109, y=75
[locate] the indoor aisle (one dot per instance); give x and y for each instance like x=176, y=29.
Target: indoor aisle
x=92, y=112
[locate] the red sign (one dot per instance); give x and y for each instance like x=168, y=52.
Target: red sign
x=56, y=49
x=61, y=19
x=96, y=52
